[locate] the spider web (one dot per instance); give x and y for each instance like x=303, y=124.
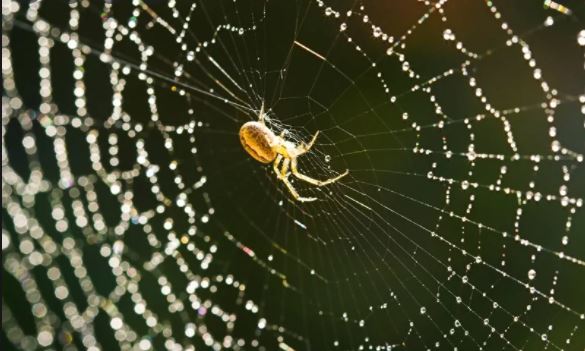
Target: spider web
x=133, y=220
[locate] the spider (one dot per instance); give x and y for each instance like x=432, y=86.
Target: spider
x=264, y=146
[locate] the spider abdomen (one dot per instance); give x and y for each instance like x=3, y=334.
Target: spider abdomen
x=257, y=139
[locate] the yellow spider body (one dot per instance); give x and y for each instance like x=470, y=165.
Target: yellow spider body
x=264, y=146
x=257, y=139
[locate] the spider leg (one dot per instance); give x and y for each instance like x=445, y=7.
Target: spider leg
x=313, y=181
x=303, y=148
x=276, y=164
x=261, y=114
x=282, y=174
x=284, y=169
x=294, y=192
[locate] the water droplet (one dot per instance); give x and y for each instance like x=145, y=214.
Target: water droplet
x=448, y=34
x=581, y=38
x=531, y=274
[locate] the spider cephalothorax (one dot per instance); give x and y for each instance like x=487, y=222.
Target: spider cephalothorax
x=263, y=145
